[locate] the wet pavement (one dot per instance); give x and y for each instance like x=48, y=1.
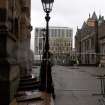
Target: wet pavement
x=42, y=99
x=77, y=85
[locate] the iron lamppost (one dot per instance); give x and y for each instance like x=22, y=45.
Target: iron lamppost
x=45, y=71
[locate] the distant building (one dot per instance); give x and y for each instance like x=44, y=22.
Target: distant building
x=60, y=40
x=89, y=39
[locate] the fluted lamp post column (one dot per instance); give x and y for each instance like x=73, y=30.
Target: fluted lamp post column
x=45, y=71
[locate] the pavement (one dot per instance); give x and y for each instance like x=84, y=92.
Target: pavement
x=14, y=102
x=78, y=85
x=44, y=99
x=95, y=71
x=74, y=85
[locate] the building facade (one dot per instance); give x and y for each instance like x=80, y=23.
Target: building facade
x=60, y=41
x=14, y=37
x=101, y=31
x=88, y=40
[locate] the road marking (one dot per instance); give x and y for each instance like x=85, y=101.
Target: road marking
x=72, y=90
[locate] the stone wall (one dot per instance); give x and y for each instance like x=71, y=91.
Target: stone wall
x=11, y=40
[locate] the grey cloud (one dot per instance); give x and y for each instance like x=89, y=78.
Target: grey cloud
x=70, y=13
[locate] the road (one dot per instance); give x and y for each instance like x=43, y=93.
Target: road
x=75, y=86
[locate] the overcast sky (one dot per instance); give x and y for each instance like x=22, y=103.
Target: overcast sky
x=66, y=13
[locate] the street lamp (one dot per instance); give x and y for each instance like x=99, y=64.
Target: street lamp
x=47, y=7
x=45, y=71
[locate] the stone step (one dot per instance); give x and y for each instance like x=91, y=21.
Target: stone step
x=30, y=96
x=29, y=87
x=29, y=82
x=28, y=79
x=36, y=98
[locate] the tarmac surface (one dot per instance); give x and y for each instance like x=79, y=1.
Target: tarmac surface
x=78, y=85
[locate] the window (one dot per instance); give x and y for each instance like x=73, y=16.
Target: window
x=92, y=42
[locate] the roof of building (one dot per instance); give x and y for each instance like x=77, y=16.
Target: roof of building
x=94, y=16
x=84, y=25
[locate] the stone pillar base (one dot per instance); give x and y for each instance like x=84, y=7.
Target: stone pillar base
x=9, y=80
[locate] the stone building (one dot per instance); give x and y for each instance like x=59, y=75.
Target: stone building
x=14, y=46
x=88, y=40
x=60, y=40
x=101, y=31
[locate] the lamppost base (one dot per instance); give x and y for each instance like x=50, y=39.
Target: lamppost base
x=46, y=83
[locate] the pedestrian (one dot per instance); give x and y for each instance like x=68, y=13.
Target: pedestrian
x=77, y=62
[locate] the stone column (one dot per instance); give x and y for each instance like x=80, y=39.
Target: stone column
x=25, y=35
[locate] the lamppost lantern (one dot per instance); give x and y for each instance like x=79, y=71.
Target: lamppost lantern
x=47, y=5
